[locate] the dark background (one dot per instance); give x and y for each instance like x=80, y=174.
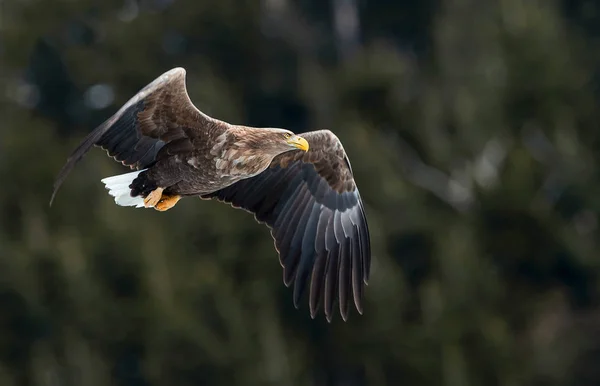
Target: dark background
x=472, y=127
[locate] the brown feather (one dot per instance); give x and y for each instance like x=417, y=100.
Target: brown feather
x=159, y=120
x=309, y=200
x=331, y=250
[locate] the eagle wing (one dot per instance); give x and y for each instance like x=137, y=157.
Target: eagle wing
x=316, y=216
x=161, y=115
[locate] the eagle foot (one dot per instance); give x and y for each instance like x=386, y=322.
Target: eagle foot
x=166, y=202
x=153, y=198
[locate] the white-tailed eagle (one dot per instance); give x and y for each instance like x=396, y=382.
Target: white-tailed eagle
x=300, y=186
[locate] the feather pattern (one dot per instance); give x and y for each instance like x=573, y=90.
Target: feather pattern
x=159, y=121
x=308, y=198
x=317, y=220
x=118, y=187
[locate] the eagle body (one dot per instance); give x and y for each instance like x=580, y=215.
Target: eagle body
x=300, y=186
x=221, y=157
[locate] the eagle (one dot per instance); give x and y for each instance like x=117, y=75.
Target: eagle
x=300, y=186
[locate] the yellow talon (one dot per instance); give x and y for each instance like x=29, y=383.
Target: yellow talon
x=166, y=203
x=153, y=198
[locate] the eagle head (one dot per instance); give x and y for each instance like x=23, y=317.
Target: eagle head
x=252, y=150
x=271, y=142
x=277, y=141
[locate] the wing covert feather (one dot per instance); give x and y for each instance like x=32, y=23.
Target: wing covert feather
x=313, y=208
x=159, y=118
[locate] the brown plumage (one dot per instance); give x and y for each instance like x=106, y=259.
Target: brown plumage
x=300, y=186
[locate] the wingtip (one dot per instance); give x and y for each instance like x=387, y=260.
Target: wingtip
x=287, y=282
x=358, y=302
x=175, y=71
x=360, y=310
x=52, y=198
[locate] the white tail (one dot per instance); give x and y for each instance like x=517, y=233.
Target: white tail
x=118, y=187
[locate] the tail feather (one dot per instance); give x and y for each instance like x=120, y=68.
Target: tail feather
x=118, y=187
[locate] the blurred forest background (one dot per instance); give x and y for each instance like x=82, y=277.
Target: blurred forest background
x=472, y=127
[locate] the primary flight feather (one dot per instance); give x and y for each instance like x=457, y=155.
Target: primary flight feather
x=300, y=186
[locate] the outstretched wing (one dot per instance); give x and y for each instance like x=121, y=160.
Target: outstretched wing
x=316, y=216
x=160, y=115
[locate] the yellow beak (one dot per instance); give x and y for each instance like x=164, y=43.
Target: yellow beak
x=298, y=142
